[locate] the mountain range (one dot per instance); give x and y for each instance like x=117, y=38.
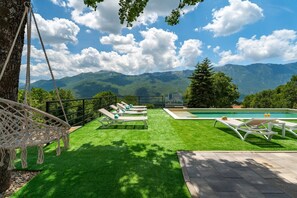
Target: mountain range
x=249, y=79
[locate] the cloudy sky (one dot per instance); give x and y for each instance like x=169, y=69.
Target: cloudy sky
x=79, y=39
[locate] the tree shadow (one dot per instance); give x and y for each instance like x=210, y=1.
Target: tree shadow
x=235, y=175
x=123, y=126
x=114, y=170
x=254, y=139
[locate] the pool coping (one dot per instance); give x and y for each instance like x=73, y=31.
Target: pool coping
x=189, y=116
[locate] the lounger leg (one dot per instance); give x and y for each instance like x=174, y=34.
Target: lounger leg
x=104, y=122
x=245, y=136
x=214, y=124
x=291, y=131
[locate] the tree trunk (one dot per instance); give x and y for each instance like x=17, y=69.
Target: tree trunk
x=11, y=12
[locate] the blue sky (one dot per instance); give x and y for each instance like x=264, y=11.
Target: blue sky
x=79, y=39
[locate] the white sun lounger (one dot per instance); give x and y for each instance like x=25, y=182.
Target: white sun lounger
x=286, y=126
x=123, y=112
x=134, y=106
x=110, y=118
x=252, y=126
x=130, y=109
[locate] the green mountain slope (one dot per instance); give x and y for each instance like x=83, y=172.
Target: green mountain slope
x=250, y=79
x=149, y=84
x=257, y=77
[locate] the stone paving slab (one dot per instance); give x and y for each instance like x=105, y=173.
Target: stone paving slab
x=240, y=174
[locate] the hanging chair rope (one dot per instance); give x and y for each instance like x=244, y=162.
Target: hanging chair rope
x=49, y=66
x=13, y=43
x=22, y=125
x=27, y=85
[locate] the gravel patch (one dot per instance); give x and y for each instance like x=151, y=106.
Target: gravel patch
x=18, y=180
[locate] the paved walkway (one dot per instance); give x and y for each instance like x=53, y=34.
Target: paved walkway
x=240, y=174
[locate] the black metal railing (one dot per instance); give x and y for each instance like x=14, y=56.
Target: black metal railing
x=81, y=111
x=149, y=101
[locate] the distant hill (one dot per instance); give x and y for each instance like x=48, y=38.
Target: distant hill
x=249, y=79
x=148, y=84
x=257, y=77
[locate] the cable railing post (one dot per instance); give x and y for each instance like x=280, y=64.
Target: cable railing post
x=83, y=110
x=47, y=107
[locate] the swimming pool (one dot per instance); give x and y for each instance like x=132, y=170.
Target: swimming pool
x=213, y=113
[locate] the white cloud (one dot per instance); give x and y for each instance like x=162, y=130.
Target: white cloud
x=190, y=51
x=106, y=18
x=231, y=19
x=280, y=44
x=56, y=31
x=228, y=57
x=62, y=62
x=157, y=8
x=216, y=49
x=159, y=46
x=156, y=51
x=121, y=44
x=59, y=3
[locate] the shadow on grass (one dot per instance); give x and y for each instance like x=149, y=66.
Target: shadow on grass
x=114, y=170
x=259, y=141
x=124, y=126
x=229, y=177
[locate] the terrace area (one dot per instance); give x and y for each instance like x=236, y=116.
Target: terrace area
x=131, y=161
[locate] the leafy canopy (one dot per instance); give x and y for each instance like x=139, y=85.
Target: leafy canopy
x=130, y=10
x=209, y=89
x=226, y=93
x=284, y=96
x=201, y=88
x=104, y=99
x=39, y=96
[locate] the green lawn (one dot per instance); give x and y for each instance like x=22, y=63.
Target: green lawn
x=129, y=161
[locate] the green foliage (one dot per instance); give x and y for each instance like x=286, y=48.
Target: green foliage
x=130, y=10
x=92, y=3
x=187, y=95
x=201, y=87
x=150, y=106
x=65, y=94
x=103, y=99
x=38, y=97
x=21, y=95
x=225, y=92
x=209, y=89
x=130, y=99
x=284, y=96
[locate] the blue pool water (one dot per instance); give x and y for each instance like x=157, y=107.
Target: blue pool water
x=245, y=114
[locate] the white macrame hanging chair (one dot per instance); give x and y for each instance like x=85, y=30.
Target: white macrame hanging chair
x=22, y=125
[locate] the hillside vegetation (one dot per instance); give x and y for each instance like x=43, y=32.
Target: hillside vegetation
x=250, y=79
x=284, y=96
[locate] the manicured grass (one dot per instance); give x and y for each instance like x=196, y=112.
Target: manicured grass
x=129, y=161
